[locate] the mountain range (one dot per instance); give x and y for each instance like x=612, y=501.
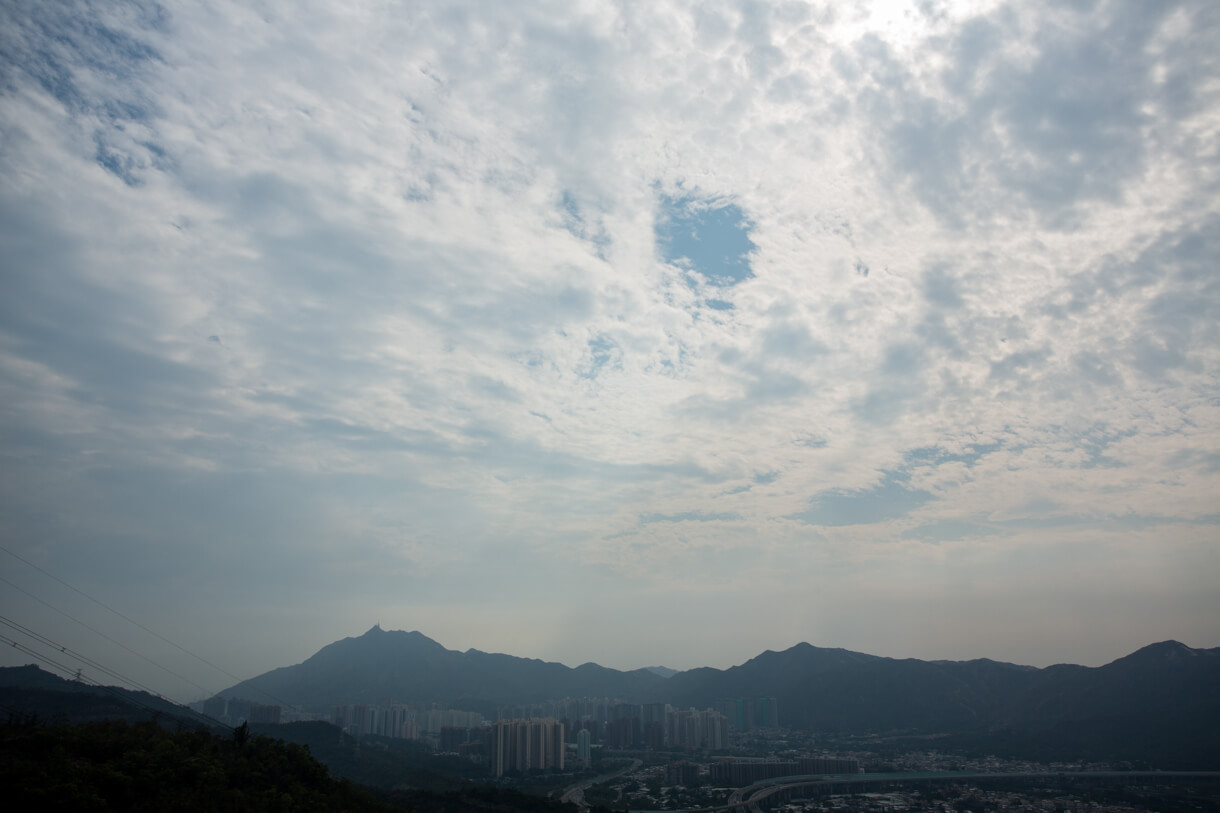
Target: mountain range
x=1157, y=707
x=1166, y=692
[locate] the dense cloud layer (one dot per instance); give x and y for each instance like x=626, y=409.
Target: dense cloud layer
x=886, y=326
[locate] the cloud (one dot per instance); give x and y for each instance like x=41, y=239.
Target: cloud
x=950, y=530
x=1036, y=113
x=658, y=298
x=887, y=500
x=689, y=516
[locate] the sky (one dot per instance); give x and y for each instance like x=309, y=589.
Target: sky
x=628, y=332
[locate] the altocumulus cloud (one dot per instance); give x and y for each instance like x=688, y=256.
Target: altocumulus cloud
x=727, y=313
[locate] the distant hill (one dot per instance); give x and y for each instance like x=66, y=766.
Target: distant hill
x=1159, y=706
x=663, y=671
x=839, y=690
x=410, y=667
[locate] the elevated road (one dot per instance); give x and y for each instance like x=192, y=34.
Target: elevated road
x=576, y=793
x=748, y=799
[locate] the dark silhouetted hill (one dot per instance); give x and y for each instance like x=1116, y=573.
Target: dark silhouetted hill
x=410, y=667
x=377, y=761
x=1159, y=706
x=116, y=766
x=663, y=671
x=30, y=692
x=839, y=690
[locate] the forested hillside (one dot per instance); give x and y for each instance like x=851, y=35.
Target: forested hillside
x=143, y=767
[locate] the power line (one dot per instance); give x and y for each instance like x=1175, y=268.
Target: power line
x=130, y=620
x=35, y=654
x=42, y=639
x=107, y=637
x=75, y=674
x=121, y=615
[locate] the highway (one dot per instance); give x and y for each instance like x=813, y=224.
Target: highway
x=576, y=793
x=748, y=798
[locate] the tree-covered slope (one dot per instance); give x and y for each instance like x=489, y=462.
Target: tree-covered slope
x=143, y=767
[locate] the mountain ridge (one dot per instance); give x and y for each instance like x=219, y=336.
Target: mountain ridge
x=387, y=664
x=818, y=688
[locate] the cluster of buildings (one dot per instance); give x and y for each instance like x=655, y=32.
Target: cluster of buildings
x=361, y=720
x=529, y=744
x=528, y=738
x=742, y=714
x=401, y=721
x=235, y=711
x=750, y=713
x=655, y=725
x=507, y=746
x=706, y=730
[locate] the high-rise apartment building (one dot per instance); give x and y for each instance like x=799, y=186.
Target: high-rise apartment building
x=520, y=746
x=584, y=746
x=263, y=714
x=707, y=729
x=749, y=713
x=362, y=719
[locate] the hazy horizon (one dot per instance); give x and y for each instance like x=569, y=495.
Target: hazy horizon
x=165, y=656
x=641, y=334
x=743, y=660
x=175, y=690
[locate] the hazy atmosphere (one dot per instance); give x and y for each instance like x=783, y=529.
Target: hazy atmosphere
x=636, y=333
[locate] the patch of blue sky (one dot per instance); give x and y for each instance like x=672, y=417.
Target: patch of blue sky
x=708, y=238
x=121, y=165
x=602, y=352
x=887, y=500
x=935, y=455
x=78, y=43
x=1095, y=444
x=569, y=205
